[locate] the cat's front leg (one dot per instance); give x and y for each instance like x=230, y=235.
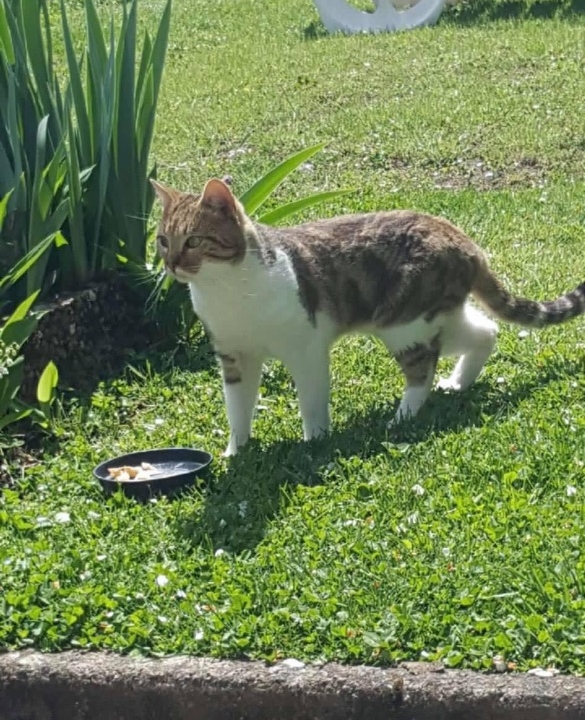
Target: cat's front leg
x=310, y=371
x=241, y=379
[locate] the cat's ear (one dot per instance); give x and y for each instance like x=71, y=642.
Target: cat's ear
x=217, y=194
x=164, y=194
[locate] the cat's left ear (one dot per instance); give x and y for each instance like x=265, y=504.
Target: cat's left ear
x=217, y=194
x=164, y=194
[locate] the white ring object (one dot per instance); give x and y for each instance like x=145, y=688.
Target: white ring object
x=340, y=16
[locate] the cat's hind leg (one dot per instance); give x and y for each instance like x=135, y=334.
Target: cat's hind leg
x=470, y=335
x=418, y=363
x=241, y=379
x=309, y=367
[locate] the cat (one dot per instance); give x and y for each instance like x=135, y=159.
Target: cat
x=290, y=292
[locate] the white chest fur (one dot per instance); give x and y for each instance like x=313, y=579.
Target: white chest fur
x=250, y=305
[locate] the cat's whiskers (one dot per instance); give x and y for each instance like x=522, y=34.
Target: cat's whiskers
x=136, y=217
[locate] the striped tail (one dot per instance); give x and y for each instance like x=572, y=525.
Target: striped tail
x=494, y=296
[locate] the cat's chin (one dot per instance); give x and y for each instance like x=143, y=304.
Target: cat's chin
x=181, y=276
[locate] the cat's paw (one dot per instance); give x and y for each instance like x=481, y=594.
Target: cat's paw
x=230, y=451
x=401, y=415
x=449, y=385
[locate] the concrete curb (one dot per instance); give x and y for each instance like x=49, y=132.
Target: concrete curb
x=98, y=686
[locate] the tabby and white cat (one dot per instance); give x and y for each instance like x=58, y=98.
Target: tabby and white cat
x=289, y=293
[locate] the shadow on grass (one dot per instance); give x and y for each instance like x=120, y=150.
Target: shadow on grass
x=472, y=12
x=475, y=12
x=253, y=489
x=315, y=30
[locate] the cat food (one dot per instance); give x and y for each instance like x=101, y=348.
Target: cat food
x=144, y=471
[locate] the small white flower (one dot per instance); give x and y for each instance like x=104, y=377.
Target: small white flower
x=523, y=334
x=158, y=421
x=198, y=635
x=541, y=672
x=350, y=523
x=571, y=490
x=418, y=489
x=292, y=663
x=161, y=580
x=162, y=619
x=85, y=575
x=101, y=558
x=62, y=517
x=219, y=552
x=43, y=521
x=222, y=523
x=412, y=519
x=498, y=664
x=446, y=551
x=92, y=515
x=181, y=594
x=500, y=380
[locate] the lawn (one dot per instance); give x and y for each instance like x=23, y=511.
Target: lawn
x=457, y=537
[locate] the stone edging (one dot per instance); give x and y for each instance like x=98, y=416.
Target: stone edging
x=102, y=686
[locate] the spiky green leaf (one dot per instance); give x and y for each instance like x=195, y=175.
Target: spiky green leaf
x=253, y=198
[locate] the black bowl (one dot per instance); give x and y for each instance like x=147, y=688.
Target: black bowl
x=178, y=468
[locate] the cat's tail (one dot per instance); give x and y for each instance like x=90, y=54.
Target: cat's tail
x=490, y=292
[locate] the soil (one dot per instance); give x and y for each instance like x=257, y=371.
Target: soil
x=89, y=335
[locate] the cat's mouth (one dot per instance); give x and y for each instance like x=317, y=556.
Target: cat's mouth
x=180, y=275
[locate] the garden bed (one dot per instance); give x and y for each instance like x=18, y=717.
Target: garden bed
x=89, y=335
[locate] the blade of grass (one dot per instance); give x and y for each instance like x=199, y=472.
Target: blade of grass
x=77, y=93
x=5, y=38
x=78, y=245
x=31, y=23
x=26, y=262
x=106, y=124
x=3, y=210
x=123, y=136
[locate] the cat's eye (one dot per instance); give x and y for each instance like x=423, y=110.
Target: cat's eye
x=162, y=241
x=193, y=241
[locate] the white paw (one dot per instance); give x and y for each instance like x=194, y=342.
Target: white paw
x=402, y=414
x=449, y=385
x=231, y=450
x=315, y=433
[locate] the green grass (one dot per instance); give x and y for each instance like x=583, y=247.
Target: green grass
x=458, y=537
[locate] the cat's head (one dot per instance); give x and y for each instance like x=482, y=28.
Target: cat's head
x=196, y=229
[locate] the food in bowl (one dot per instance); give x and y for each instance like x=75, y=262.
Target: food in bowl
x=144, y=471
